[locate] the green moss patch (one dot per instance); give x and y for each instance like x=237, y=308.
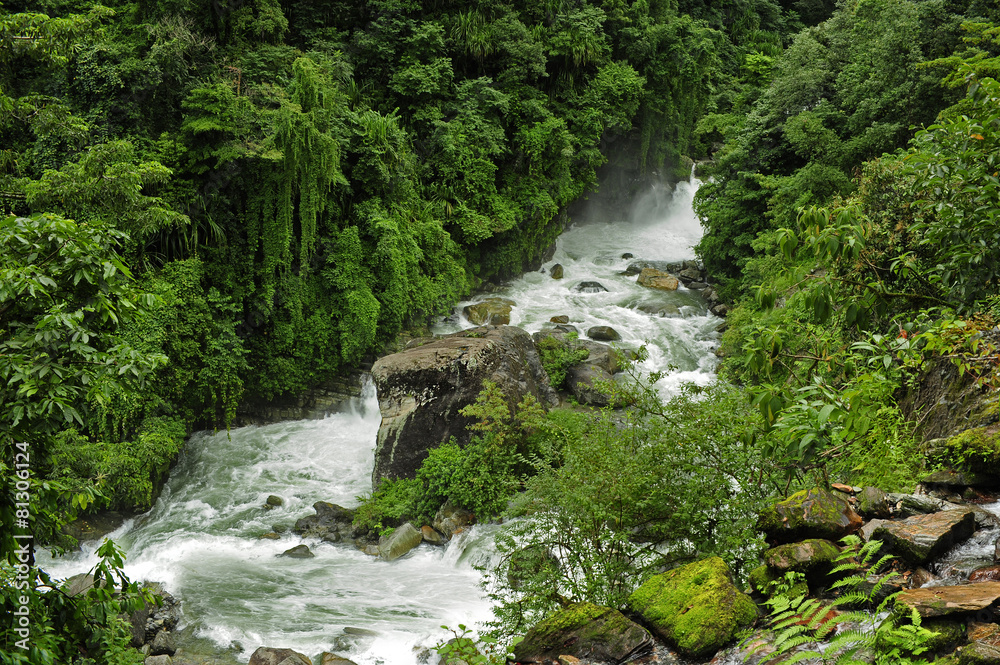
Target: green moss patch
x=696, y=607
x=584, y=630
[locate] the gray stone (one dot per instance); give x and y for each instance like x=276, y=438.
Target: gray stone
x=430, y=536
x=402, y=540
x=329, y=518
x=163, y=643
x=979, y=653
x=298, y=552
x=603, y=334
x=422, y=390
x=584, y=382
x=557, y=271
x=920, y=538
x=157, y=660
x=873, y=502
x=274, y=501
x=589, y=287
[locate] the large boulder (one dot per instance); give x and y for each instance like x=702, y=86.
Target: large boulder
x=584, y=630
x=813, y=513
x=696, y=607
x=331, y=522
x=271, y=656
x=399, y=542
x=921, y=538
x=422, y=389
x=939, y=601
x=806, y=556
x=584, y=382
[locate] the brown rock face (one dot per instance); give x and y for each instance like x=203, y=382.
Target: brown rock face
x=657, y=279
x=985, y=573
x=422, y=389
x=921, y=538
x=942, y=601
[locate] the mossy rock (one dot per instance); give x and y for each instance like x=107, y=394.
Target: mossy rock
x=587, y=631
x=974, y=450
x=763, y=577
x=803, y=556
x=873, y=503
x=813, y=513
x=979, y=653
x=948, y=634
x=696, y=607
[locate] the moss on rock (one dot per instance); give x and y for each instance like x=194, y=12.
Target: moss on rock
x=584, y=630
x=696, y=607
x=813, y=513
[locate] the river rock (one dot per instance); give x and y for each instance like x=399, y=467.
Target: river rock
x=298, y=552
x=873, y=502
x=584, y=630
x=920, y=538
x=327, y=658
x=804, y=556
x=158, y=660
x=492, y=312
x=920, y=577
x=979, y=653
x=960, y=479
x=162, y=644
x=562, y=318
x=603, y=334
x=430, y=536
x=451, y=519
x=657, y=279
x=589, y=287
x=986, y=573
x=271, y=656
x=329, y=519
x=274, y=501
x=695, y=608
x=813, y=513
x=402, y=540
x=939, y=601
x=557, y=271
x=978, y=631
x=584, y=383
x=421, y=391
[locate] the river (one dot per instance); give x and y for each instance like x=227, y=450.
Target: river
x=202, y=539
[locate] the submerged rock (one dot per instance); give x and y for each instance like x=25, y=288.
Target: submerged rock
x=298, y=552
x=422, y=390
x=813, y=513
x=557, y=271
x=985, y=573
x=327, y=658
x=603, y=334
x=329, y=520
x=589, y=287
x=921, y=538
x=586, y=631
x=695, y=608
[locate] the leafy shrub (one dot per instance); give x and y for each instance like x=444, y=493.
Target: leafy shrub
x=558, y=356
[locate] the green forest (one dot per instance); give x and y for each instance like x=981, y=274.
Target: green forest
x=210, y=203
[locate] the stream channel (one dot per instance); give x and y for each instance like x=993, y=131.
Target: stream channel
x=202, y=538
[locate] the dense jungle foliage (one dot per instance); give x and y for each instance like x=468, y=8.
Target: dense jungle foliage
x=212, y=202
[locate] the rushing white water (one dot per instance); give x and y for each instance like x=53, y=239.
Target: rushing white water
x=659, y=226
x=202, y=538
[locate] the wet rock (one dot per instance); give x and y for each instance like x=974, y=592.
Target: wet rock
x=960, y=479
x=562, y=318
x=422, y=390
x=697, y=286
x=557, y=271
x=158, y=660
x=949, y=634
x=401, y=541
x=589, y=287
x=95, y=526
x=689, y=275
x=939, y=601
x=657, y=279
x=920, y=577
x=996, y=551
x=721, y=310
x=603, y=334
x=586, y=631
x=627, y=255
x=585, y=384
x=274, y=501
x=271, y=535
x=978, y=631
x=271, y=656
x=327, y=658
x=162, y=644
x=985, y=573
x=804, y=556
x=660, y=310
x=920, y=538
x=298, y=552
x=451, y=519
x=164, y=616
x=695, y=608
x=979, y=653
x=431, y=536
x=491, y=312
x=873, y=502
x=908, y=505
x=813, y=513
x=762, y=579
x=329, y=518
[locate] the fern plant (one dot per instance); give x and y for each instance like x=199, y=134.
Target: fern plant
x=811, y=629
